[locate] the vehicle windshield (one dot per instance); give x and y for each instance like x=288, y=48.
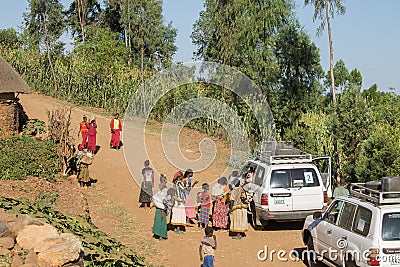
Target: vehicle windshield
x=391, y=226
x=301, y=177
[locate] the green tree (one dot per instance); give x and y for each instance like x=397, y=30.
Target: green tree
x=300, y=70
x=355, y=78
x=341, y=74
x=380, y=154
x=8, y=38
x=147, y=35
x=324, y=10
x=344, y=79
x=80, y=14
x=354, y=122
x=44, y=25
x=241, y=34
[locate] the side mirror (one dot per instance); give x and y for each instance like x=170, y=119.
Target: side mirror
x=317, y=215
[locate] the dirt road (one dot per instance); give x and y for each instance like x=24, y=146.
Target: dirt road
x=118, y=186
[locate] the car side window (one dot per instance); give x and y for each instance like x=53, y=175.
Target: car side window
x=362, y=221
x=258, y=177
x=332, y=214
x=347, y=215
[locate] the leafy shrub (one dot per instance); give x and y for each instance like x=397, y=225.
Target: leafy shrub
x=100, y=250
x=34, y=127
x=22, y=156
x=379, y=155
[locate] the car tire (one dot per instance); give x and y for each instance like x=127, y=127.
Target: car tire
x=256, y=226
x=311, y=255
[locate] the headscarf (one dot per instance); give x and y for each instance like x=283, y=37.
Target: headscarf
x=176, y=176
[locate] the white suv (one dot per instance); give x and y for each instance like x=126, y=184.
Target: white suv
x=362, y=229
x=284, y=188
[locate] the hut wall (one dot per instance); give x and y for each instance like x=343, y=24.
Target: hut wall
x=9, y=119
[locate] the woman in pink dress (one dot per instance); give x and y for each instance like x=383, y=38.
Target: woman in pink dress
x=189, y=207
x=92, y=132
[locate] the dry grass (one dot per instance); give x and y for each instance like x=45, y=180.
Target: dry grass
x=119, y=223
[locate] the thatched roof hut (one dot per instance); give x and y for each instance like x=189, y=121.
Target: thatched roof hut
x=10, y=80
x=11, y=112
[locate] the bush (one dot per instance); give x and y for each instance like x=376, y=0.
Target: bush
x=34, y=127
x=22, y=156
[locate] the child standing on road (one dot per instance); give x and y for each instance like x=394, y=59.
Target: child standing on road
x=204, y=212
x=208, y=245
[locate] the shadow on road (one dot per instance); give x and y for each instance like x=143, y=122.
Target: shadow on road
x=279, y=226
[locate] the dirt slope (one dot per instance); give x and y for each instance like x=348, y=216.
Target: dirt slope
x=113, y=201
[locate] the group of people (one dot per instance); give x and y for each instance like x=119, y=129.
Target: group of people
x=88, y=131
x=223, y=206
x=88, y=146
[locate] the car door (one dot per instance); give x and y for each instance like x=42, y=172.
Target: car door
x=280, y=195
x=324, y=165
x=326, y=227
x=359, y=239
x=257, y=184
x=307, y=192
x=341, y=234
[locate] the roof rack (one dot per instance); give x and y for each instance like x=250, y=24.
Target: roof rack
x=359, y=190
x=282, y=152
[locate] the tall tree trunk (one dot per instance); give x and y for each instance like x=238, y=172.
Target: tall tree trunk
x=142, y=60
x=46, y=42
x=82, y=19
x=335, y=140
x=129, y=39
x=330, y=53
x=142, y=76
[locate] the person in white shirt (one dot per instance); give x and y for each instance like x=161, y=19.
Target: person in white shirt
x=160, y=217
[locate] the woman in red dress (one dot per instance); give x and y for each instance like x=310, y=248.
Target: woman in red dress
x=92, y=132
x=83, y=128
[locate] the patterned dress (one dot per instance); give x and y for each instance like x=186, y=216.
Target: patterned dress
x=220, y=214
x=239, y=210
x=204, y=212
x=179, y=211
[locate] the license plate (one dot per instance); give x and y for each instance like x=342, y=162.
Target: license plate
x=395, y=259
x=279, y=201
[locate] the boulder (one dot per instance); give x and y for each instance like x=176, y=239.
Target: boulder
x=32, y=235
x=61, y=253
x=7, y=242
x=4, y=251
x=22, y=221
x=48, y=243
x=16, y=261
x=8, y=217
x=5, y=230
x=31, y=258
x=3, y=227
